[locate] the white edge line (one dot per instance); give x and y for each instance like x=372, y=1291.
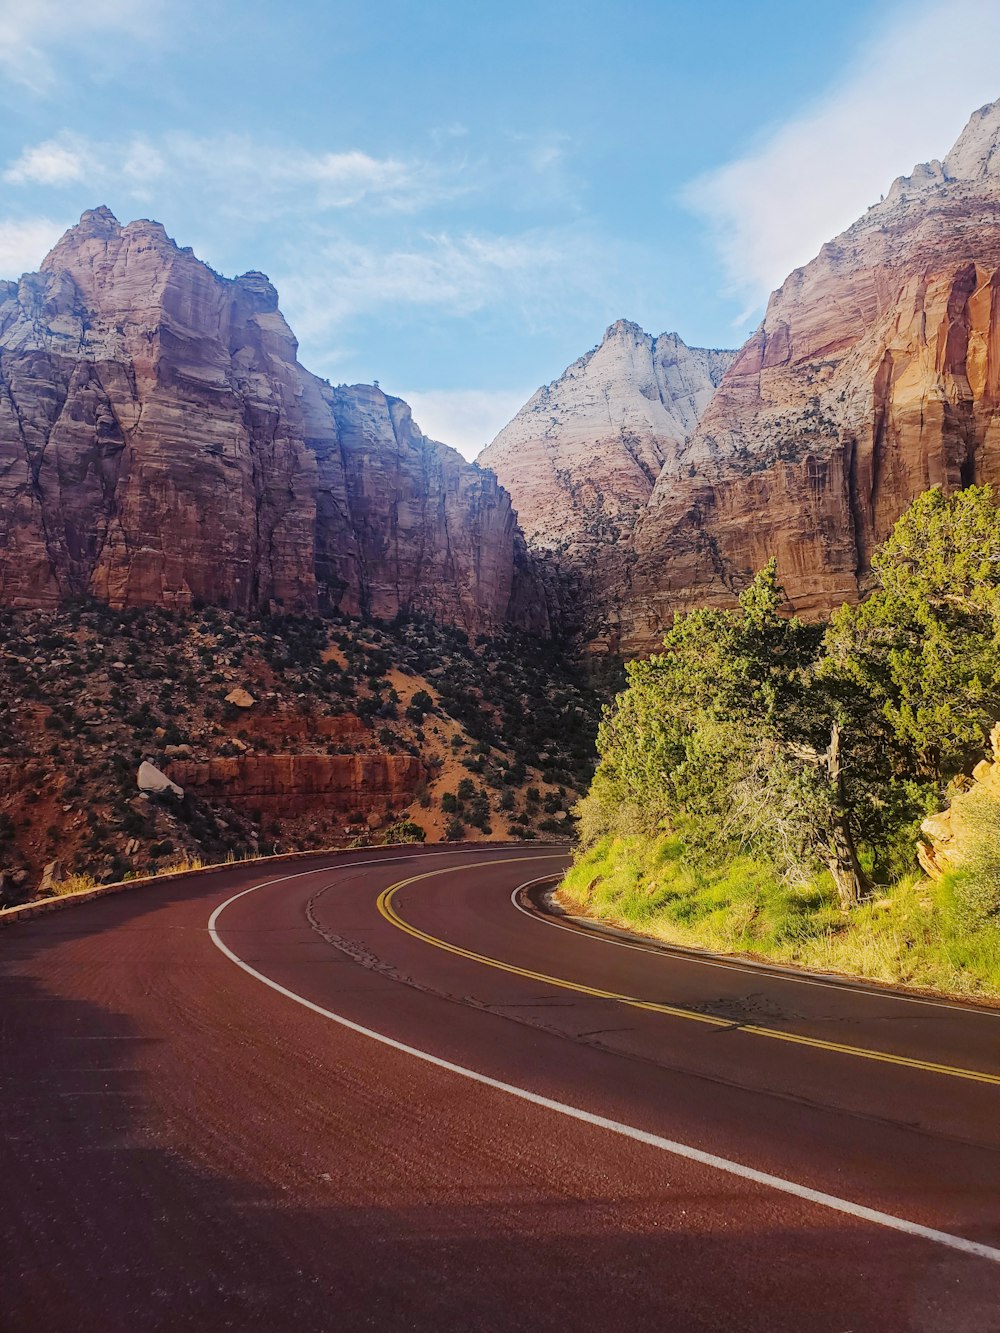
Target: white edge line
x=677, y=952
x=676, y=1149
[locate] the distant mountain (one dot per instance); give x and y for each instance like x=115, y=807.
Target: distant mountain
x=161, y=445
x=582, y=456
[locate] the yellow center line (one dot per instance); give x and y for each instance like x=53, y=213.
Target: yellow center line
x=388, y=910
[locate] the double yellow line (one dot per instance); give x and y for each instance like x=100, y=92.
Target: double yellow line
x=388, y=910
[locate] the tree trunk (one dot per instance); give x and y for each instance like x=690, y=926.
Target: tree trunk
x=853, y=885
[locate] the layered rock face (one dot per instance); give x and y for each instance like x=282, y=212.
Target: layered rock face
x=874, y=375
x=160, y=444
x=582, y=456
x=291, y=783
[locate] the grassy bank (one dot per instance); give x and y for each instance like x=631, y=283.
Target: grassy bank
x=908, y=934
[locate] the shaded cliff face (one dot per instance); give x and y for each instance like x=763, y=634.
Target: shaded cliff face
x=582, y=456
x=160, y=444
x=874, y=375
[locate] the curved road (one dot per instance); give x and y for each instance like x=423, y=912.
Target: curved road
x=379, y=1091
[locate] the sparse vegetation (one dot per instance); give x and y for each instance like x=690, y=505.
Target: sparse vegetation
x=153, y=684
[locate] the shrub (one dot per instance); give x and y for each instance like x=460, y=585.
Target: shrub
x=455, y=830
x=420, y=705
x=449, y=802
x=405, y=830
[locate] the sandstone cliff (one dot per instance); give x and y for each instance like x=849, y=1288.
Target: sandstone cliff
x=582, y=456
x=160, y=444
x=875, y=374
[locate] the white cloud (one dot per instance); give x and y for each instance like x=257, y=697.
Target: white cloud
x=771, y=208
x=32, y=31
x=24, y=244
x=467, y=419
x=55, y=162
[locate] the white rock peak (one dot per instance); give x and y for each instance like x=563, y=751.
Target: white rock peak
x=593, y=441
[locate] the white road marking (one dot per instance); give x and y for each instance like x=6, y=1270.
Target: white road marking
x=677, y=952
x=804, y=1192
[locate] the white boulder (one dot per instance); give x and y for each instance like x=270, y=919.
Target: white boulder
x=150, y=779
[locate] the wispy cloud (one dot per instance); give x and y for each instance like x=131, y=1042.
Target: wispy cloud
x=229, y=167
x=24, y=243
x=771, y=208
x=33, y=32
x=467, y=419
x=535, y=273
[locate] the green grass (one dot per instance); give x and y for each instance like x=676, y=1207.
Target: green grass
x=909, y=934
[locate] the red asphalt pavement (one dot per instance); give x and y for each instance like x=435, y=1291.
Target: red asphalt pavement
x=184, y=1147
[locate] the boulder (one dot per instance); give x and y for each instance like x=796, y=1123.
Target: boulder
x=946, y=836
x=150, y=779
x=240, y=698
x=52, y=875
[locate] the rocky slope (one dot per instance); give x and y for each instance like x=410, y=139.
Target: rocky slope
x=161, y=445
x=291, y=732
x=582, y=456
x=875, y=374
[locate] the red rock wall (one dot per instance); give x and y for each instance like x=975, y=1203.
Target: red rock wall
x=160, y=444
x=291, y=783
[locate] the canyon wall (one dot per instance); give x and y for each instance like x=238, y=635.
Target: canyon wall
x=653, y=477
x=874, y=375
x=160, y=444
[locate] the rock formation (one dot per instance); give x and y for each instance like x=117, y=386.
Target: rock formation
x=160, y=444
x=290, y=783
x=949, y=838
x=874, y=375
x=582, y=456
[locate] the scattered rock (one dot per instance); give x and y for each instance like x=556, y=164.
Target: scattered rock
x=240, y=698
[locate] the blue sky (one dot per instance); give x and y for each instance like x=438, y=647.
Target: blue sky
x=457, y=199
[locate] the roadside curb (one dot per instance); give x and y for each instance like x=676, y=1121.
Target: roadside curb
x=10, y=916
x=554, y=911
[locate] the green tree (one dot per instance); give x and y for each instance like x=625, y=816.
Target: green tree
x=732, y=738
x=925, y=646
